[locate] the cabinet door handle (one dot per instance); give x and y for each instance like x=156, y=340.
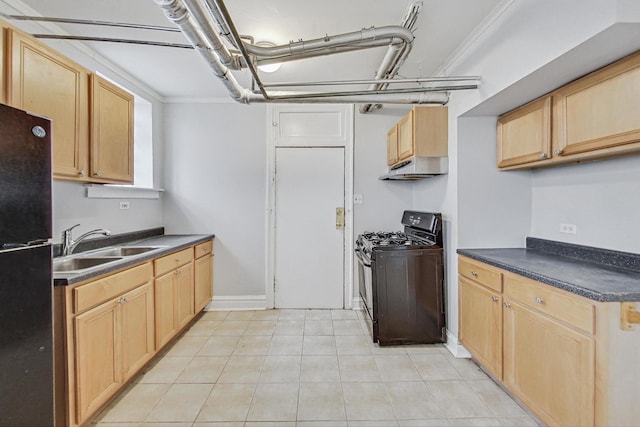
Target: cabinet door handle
x=494, y=299
x=474, y=274
x=543, y=155
x=120, y=301
x=539, y=300
x=507, y=304
x=96, y=173
x=81, y=173
x=558, y=152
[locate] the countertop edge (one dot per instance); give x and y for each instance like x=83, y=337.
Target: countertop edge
x=185, y=240
x=569, y=287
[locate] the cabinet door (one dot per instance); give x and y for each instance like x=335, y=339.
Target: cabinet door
x=97, y=369
x=549, y=366
x=524, y=135
x=392, y=146
x=203, y=281
x=405, y=137
x=111, y=132
x=184, y=295
x=137, y=332
x=164, y=309
x=599, y=111
x=481, y=324
x=44, y=82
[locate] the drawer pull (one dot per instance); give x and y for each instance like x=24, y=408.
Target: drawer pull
x=539, y=300
x=474, y=273
x=494, y=299
x=507, y=304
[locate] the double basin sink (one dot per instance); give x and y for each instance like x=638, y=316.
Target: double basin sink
x=86, y=260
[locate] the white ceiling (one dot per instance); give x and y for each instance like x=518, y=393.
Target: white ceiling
x=180, y=73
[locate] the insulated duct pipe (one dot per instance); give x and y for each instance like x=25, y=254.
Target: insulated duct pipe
x=395, y=56
x=365, y=38
x=178, y=13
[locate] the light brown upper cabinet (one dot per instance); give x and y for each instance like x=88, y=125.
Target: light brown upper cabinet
x=111, y=132
x=392, y=146
x=590, y=118
x=524, y=135
x=92, y=119
x=46, y=83
x=599, y=111
x=422, y=132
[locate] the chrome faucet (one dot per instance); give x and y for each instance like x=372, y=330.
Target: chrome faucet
x=68, y=244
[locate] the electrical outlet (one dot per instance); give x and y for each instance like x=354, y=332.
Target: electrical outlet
x=568, y=228
x=124, y=205
x=357, y=199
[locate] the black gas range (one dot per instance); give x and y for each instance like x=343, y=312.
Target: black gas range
x=401, y=281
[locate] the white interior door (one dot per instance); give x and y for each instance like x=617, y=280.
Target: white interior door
x=309, y=248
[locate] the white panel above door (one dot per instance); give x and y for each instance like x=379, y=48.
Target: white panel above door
x=312, y=126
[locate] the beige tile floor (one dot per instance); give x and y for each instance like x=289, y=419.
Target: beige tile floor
x=306, y=368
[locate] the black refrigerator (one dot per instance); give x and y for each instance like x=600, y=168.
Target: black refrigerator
x=26, y=328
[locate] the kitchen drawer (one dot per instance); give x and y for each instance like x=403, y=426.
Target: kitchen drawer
x=482, y=273
x=563, y=306
x=173, y=261
x=99, y=291
x=204, y=248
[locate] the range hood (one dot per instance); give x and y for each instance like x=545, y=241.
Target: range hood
x=418, y=168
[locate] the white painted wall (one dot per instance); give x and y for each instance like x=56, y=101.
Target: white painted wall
x=383, y=201
x=601, y=198
x=494, y=207
x=71, y=206
x=215, y=180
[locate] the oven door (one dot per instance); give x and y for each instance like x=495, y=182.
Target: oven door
x=365, y=280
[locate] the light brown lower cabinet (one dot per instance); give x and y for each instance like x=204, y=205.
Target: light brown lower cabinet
x=173, y=294
x=112, y=342
x=481, y=324
x=106, y=330
x=549, y=366
x=564, y=356
x=203, y=275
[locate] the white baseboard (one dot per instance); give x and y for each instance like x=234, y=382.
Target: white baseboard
x=239, y=302
x=454, y=346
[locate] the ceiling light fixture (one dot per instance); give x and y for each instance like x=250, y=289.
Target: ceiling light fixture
x=268, y=68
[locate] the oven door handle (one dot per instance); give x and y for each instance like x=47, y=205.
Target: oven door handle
x=361, y=258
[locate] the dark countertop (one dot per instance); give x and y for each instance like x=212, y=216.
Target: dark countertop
x=596, y=281
x=169, y=243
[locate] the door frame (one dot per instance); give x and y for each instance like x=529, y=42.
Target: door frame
x=272, y=124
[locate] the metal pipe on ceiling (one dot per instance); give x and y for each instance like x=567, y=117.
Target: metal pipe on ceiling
x=395, y=57
x=362, y=82
x=89, y=22
x=201, y=36
x=112, y=40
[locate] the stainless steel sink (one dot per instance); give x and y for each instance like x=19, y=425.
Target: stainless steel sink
x=75, y=264
x=123, y=251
